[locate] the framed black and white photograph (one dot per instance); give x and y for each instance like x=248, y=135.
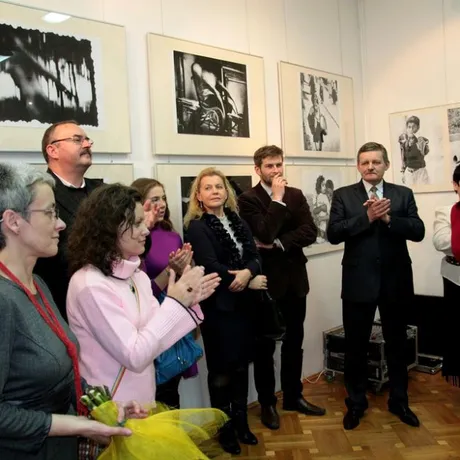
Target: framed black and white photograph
x=211, y=96
x=74, y=69
x=178, y=178
x=317, y=113
x=318, y=184
x=320, y=113
x=419, y=149
x=205, y=100
x=45, y=77
x=453, y=120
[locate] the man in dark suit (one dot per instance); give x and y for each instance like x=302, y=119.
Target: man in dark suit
x=375, y=219
x=67, y=151
x=281, y=222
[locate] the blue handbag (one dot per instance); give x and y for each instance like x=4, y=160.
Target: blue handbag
x=177, y=359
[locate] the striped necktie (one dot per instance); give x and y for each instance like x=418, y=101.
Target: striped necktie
x=373, y=192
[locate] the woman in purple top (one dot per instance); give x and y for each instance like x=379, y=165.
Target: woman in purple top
x=166, y=252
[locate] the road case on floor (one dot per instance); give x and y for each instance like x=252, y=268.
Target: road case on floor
x=334, y=354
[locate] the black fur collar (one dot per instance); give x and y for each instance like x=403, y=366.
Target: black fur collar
x=235, y=261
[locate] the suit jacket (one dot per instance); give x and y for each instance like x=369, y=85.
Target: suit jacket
x=376, y=261
x=54, y=270
x=209, y=252
x=294, y=227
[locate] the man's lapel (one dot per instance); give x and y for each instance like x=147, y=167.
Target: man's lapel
x=262, y=195
x=360, y=191
x=64, y=197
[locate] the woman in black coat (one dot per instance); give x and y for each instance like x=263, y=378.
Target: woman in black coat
x=223, y=243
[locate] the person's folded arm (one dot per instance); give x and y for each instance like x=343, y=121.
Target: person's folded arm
x=305, y=233
x=135, y=349
x=410, y=226
x=264, y=226
x=340, y=228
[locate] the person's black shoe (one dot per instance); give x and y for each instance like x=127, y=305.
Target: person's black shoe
x=351, y=419
x=228, y=440
x=269, y=417
x=240, y=422
x=304, y=407
x=404, y=413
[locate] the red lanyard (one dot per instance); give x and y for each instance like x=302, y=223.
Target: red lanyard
x=51, y=320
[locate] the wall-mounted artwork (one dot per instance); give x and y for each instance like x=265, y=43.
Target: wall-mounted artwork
x=205, y=100
x=317, y=113
x=211, y=96
x=419, y=149
x=110, y=172
x=453, y=120
x=178, y=178
x=318, y=184
x=49, y=72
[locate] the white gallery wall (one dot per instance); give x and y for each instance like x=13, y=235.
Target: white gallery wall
x=321, y=34
x=411, y=60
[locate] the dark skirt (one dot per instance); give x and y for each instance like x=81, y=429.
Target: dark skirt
x=451, y=320
x=228, y=338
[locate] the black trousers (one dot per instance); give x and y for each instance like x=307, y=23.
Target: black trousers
x=168, y=392
x=228, y=391
x=294, y=311
x=451, y=318
x=358, y=319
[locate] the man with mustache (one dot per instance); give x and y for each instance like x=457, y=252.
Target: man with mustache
x=67, y=151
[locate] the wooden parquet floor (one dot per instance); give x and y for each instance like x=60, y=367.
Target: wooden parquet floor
x=381, y=435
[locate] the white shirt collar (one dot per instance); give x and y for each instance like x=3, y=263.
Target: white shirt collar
x=379, y=188
x=68, y=184
x=267, y=188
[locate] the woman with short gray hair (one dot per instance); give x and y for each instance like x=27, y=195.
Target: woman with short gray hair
x=38, y=353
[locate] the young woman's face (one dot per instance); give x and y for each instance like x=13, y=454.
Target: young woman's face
x=131, y=241
x=158, y=198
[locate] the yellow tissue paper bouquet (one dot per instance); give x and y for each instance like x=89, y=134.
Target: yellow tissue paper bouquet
x=182, y=434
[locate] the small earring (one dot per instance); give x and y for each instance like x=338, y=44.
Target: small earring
x=200, y=203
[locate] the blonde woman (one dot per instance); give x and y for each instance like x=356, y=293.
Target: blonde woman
x=223, y=243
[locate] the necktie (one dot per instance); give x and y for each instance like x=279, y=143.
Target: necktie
x=373, y=192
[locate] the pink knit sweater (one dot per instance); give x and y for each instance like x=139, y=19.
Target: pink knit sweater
x=112, y=331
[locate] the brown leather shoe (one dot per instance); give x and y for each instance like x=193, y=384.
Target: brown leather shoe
x=269, y=417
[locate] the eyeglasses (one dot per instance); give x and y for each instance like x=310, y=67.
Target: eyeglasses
x=53, y=213
x=77, y=139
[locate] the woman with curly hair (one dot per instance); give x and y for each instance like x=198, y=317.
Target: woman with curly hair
x=110, y=305
x=166, y=253
x=223, y=243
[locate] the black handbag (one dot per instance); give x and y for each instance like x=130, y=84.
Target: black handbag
x=270, y=321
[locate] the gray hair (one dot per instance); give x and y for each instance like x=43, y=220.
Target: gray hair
x=17, y=188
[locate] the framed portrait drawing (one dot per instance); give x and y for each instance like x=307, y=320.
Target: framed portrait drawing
x=420, y=148
x=110, y=172
x=177, y=180
x=453, y=121
x=317, y=113
x=72, y=70
x=318, y=184
x=205, y=100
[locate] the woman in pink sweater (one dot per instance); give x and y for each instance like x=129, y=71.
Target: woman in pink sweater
x=110, y=305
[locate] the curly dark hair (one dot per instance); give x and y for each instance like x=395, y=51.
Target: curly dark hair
x=143, y=185
x=93, y=238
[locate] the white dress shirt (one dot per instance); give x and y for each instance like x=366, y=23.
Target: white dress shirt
x=379, y=188
x=68, y=184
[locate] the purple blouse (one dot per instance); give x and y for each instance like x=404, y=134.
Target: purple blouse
x=157, y=259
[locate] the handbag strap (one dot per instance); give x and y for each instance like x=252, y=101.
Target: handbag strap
x=122, y=370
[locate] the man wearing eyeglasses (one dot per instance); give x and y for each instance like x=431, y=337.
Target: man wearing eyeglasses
x=67, y=151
